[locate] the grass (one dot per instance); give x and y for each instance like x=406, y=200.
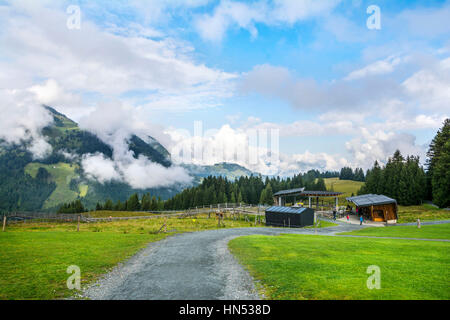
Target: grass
x=62, y=173
x=423, y=212
x=106, y=214
x=34, y=264
x=35, y=256
x=325, y=267
x=345, y=186
x=437, y=231
x=323, y=224
x=83, y=190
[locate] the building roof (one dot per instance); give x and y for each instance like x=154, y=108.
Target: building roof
x=285, y=209
x=302, y=192
x=289, y=192
x=321, y=193
x=370, y=199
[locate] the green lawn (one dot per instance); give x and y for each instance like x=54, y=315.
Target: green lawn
x=424, y=212
x=323, y=224
x=34, y=264
x=437, y=231
x=35, y=256
x=325, y=267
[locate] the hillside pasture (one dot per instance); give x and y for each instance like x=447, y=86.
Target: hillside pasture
x=347, y=187
x=61, y=173
x=423, y=212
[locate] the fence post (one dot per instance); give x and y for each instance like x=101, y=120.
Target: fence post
x=4, y=222
x=78, y=224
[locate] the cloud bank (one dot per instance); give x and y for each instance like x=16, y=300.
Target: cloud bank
x=22, y=121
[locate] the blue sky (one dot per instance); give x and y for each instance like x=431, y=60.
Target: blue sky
x=337, y=92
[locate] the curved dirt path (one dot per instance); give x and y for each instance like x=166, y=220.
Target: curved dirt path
x=189, y=266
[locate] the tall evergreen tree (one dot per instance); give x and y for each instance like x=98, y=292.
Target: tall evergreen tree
x=438, y=160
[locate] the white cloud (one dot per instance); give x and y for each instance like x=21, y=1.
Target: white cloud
x=229, y=14
x=51, y=93
x=431, y=87
x=100, y=168
x=37, y=45
x=141, y=174
x=115, y=123
x=377, y=68
x=425, y=22
x=380, y=145
x=252, y=147
x=22, y=120
x=138, y=173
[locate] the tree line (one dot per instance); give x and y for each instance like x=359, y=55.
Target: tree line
x=405, y=180
x=438, y=164
x=145, y=203
x=214, y=190
x=347, y=173
x=401, y=179
x=250, y=190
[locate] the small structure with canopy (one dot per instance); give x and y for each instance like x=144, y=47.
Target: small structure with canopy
x=376, y=207
x=280, y=197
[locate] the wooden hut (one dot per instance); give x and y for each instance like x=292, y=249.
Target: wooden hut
x=289, y=217
x=376, y=207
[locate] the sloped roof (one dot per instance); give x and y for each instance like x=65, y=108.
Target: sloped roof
x=285, y=209
x=288, y=192
x=370, y=199
x=302, y=192
x=321, y=193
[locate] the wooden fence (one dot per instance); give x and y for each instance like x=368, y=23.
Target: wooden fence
x=230, y=209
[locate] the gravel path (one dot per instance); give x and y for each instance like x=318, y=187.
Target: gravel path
x=192, y=266
x=423, y=223
x=189, y=266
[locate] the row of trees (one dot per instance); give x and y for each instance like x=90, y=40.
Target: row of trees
x=146, y=203
x=250, y=190
x=438, y=174
x=406, y=181
x=347, y=173
x=213, y=190
x=72, y=207
x=401, y=179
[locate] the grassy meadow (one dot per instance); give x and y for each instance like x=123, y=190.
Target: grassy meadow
x=61, y=173
x=34, y=256
x=425, y=212
x=347, y=187
x=437, y=231
x=311, y=267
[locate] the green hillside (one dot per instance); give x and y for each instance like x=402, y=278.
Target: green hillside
x=62, y=174
x=230, y=171
x=345, y=186
x=27, y=184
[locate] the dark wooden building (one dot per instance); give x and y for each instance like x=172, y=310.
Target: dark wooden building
x=376, y=207
x=289, y=217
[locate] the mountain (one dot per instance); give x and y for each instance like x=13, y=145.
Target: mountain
x=231, y=171
x=27, y=184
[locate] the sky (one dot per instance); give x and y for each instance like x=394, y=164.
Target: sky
x=279, y=86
